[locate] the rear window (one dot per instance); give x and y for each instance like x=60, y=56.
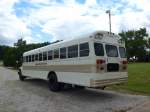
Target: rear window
x=122, y=52
x=111, y=51
x=99, y=50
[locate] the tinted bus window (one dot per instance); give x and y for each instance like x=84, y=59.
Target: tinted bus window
x=36, y=57
x=29, y=58
x=32, y=58
x=56, y=53
x=63, y=53
x=50, y=55
x=44, y=55
x=84, y=49
x=24, y=59
x=111, y=51
x=99, y=50
x=40, y=56
x=122, y=52
x=73, y=51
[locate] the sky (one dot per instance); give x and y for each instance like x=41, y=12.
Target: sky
x=49, y=20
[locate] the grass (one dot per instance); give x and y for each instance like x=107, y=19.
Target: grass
x=138, y=79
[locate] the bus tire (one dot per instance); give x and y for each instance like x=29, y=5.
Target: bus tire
x=79, y=87
x=21, y=77
x=53, y=83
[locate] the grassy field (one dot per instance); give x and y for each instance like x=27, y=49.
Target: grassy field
x=139, y=79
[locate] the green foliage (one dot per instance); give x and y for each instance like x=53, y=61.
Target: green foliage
x=2, y=51
x=12, y=56
x=20, y=42
x=136, y=43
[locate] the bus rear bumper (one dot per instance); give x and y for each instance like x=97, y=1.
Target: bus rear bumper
x=99, y=83
x=108, y=81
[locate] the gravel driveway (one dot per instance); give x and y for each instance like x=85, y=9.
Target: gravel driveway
x=33, y=95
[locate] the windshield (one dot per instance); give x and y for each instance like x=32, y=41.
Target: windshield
x=122, y=52
x=111, y=51
x=99, y=50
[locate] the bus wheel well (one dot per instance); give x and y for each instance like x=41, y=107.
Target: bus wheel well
x=51, y=72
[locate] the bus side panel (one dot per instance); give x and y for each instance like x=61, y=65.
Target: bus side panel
x=35, y=74
x=74, y=78
x=84, y=79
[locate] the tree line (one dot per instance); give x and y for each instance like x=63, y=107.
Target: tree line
x=137, y=46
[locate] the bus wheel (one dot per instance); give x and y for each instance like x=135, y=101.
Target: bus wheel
x=54, y=85
x=21, y=77
x=79, y=87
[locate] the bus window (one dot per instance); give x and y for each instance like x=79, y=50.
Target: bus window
x=44, y=55
x=99, y=50
x=111, y=51
x=56, y=53
x=29, y=58
x=122, y=52
x=50, y=55
x=84, y=49
x=24, y=59
x=40, y=56
x=63, y=53
x=73, y=51
x=32, y=58
x=36, y=57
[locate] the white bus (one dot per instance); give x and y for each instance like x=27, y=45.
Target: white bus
x=94, y=60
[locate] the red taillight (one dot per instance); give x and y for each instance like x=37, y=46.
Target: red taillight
x=124, y=62
x=100, y=61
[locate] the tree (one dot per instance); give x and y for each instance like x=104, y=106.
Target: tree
x=136, y=43
x=10, y=57
x=20, y=42
x=3, y=48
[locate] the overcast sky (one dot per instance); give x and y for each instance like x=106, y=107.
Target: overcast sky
x=49, y=20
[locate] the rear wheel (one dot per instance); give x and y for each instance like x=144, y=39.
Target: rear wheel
x=53, y=83
x=79, y=87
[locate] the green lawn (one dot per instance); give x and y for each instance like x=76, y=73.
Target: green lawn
x=139, y=79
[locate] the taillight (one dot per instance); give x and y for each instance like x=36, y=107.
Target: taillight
x=124, y=62
x=100, y=61
x=100, y=65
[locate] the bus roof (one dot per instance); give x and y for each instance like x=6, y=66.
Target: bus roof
x=85, y=37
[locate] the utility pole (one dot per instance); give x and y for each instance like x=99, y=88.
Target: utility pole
x=109, y=13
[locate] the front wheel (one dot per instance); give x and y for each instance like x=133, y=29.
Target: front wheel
x=21, y=77
x=53, y=83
